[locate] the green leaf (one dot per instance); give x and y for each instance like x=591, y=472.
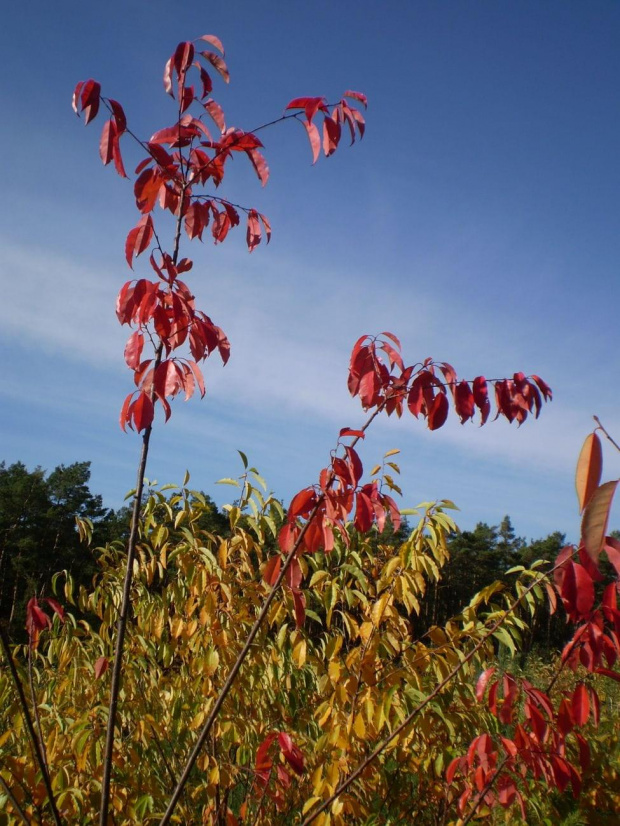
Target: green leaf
x=244, y=459
x=228, y=481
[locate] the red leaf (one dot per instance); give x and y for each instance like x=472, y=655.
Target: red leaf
x=217, y=114
x=438, y=413
x=580, y=705
x=119, y=116
x=260, y=165
x=481, y=398
x=314, y=138
x=142, y=412
x=299, y=603
x=310, y=105
x=218, y=64
x=331, y=135
x=359, y=96
x=464, y=401
x=139, y=239
x=271, y=570
x=287, y=537
x=589, y=469
x=183, y=57
x=56, y=608
x=544, y=388
x=124, y=418
x=89, y=93
x=267, y=226
x=294, y=575
x=346, y=431
x=106, y=144
x=133, y=349
x=253, y=234
x=292, y=753
x=168, y=77
x=213, y=40
x=302, y=503
x=483, y=681
x=364, y=512
x=101, y=666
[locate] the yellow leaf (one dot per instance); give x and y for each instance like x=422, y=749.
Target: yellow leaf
x=299, y=653
x=366, y=629
x=334, y=671
x=392, y=452
x=359, y=726
x=309, y=804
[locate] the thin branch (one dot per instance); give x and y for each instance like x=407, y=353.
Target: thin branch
x=421, y=706
x=14, y=803
x=483, y=792
x=29, y=725
x=35, y=708
x=244, y=651
x=600, y=426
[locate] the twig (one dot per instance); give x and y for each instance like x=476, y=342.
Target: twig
x=600, y=426
x=29, y=725
x=14, y=802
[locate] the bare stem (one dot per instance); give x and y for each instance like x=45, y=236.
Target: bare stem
x=14, y=803
x=600, y=426
x=29, y=725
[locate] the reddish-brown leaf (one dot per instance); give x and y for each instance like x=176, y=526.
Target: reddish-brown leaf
x=89, y=97
x=438, y=413
x=183, y=57
x=292, y=753
x=580, y=705
x=101, y=666
x=253, y=234
x=218, y=64
x=260, y=165
x=331, y=135
x=483, y=681
x=106, y=144
x=481, y=398
x=133, y=349
x=299, y=604
x=302, y=503
x=216, y=113
x=142, y=412
x=589, y=469
x=272, y=569
x=314, y=138
x=596, y=517
x=214, y=41
x=139, y=239
x=464, y=401
x=359, y=96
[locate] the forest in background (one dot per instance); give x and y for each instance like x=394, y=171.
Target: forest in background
x=39, y=537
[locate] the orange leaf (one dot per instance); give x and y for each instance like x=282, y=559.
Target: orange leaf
x=589, y=469
x=595, y=518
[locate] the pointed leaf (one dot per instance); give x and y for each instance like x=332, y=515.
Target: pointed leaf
x=589, y=470
x=596, y=517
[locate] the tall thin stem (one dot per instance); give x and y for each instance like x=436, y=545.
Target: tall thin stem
x=121, y=628
x=29, y=725
x=14, y=803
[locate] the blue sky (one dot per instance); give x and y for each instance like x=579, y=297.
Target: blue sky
x=478, y=220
